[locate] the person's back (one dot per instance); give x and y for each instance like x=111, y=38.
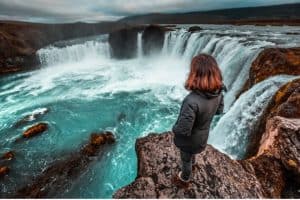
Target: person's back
x=198, y=108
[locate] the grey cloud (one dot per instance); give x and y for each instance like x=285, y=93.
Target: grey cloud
x=102, y=10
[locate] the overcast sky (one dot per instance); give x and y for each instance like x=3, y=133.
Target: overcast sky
x=54, y=11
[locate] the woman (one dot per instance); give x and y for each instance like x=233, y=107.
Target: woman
x=197, y=110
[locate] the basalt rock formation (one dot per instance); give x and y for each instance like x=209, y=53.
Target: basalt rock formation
x=123, y=43
x=285, y=103
x=215, y=175
x=153, y=39
x=59, y=176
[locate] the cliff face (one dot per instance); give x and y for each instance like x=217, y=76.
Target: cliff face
x=271, y=62
x=275, y=61
x=215, y=175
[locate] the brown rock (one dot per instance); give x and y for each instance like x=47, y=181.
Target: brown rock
x=270, y=173
x=8, y=155
x=142, y=187
x=275, y=61
x=282, y=141
x=97, y=140
x=4, y=170
x=215, y=174
x=35, y=130
x=271, y=62
x=277, y=163
x=59, y=176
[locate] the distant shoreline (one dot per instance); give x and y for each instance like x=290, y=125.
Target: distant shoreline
x=260, y=22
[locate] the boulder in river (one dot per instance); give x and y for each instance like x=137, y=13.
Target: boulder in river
x=153, y=39
x=35, y=130
x=4, y=170
x=8, y=155
x=97, y=140
x=33, y=116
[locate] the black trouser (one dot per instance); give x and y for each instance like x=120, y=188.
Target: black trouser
x=187, y=161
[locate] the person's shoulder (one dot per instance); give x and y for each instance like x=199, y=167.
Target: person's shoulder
x=191, y=98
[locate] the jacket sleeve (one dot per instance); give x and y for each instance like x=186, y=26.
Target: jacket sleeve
x=186, y=119
x=220, y=109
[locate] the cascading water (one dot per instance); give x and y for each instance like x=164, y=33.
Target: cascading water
x=139, y=45
x=92, y=48
x=232, y=131
x=84, y=90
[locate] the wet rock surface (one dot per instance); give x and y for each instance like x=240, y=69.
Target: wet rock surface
x=35, y=130
x=216, y=175
x=123, y=43
x=59, y=175
x=153, y=39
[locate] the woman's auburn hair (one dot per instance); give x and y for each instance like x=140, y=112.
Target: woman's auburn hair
x=205, y=75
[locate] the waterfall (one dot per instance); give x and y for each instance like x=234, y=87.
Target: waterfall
x=85, y=90
x=233, y=56
x=53, y=55
x=232, y=131
x=139, y=45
